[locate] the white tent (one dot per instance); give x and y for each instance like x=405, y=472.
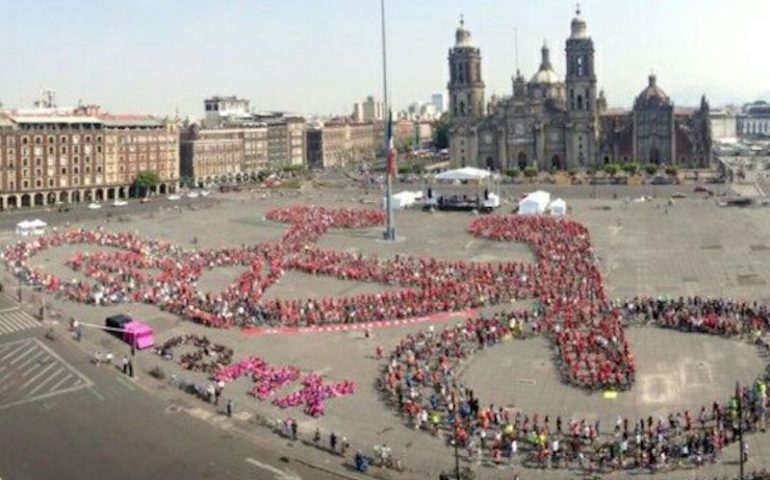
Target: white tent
x=31, y=227
x=403, y=199
x=535, y=203
x=558, y=207
x=465, y=173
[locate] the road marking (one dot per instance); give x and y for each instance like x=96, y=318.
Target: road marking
x=48, y=379
x=125, y=383
x=23, y=343
x=37, y=378
x=13, y=362
x=277, y=472
x=28, y=382
x=62, y=381
x=96, y=394
x=29, y=361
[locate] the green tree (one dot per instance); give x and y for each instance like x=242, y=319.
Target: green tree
x=145, y=180
x=513, y=173
x=441, y=132
x=530, y=172
x=631, y=168
x=671, y=170
x=611, y=169
x=651, y=169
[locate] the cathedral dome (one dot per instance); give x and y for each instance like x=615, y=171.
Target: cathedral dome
x=579, y=27
x=653, y=95
x=545, y=74
x=462, y=35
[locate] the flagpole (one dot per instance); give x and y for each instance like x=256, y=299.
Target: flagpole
x=390, y=230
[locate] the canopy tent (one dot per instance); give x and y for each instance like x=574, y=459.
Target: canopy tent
x=403, y=199
x=465, y=173
x=31, y=227
x=558, y=207
x=535, y=203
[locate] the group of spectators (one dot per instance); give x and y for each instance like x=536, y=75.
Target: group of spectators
x=268, y=380
x=422, y=381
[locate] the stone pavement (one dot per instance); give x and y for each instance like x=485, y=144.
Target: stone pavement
x=695, y=248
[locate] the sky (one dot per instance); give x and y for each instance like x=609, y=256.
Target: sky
x=321, y=56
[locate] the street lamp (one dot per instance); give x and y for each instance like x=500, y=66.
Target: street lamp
x=739, y=399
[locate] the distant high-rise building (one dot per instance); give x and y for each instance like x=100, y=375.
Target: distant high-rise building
x=369, y=110
x=221, y=109
x=437, y=99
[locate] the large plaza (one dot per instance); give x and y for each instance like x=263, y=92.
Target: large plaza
x=688, y=247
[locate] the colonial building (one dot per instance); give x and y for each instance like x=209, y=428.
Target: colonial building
x=754, y=120
x=550, y=123
x=209, y=156
x=272, y=139
x=52, y=156
x=340, y=142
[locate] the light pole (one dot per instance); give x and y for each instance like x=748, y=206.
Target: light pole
x=390, y=229
x=739, y=398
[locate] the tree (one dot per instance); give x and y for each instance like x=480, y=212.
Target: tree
x=145, y=180
x=611, y=169
x=441, y=132
x=530, y=172
x=631, y=168
x=513, y=173
x=651, y=169
x=672, y=171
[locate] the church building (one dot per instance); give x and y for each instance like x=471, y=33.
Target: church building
x=554, y=123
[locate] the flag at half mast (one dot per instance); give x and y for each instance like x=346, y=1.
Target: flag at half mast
x=391, y=153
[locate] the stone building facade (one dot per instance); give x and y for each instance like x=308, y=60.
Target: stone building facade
x=553, y=123
x=212, y=156
x=51, y=157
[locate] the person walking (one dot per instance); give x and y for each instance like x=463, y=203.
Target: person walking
x=125, y=365
x=333, y=442
x=230, y=406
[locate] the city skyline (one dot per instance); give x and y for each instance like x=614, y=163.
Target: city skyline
x=148, y=57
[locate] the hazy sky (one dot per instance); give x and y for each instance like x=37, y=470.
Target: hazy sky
x=320, y=56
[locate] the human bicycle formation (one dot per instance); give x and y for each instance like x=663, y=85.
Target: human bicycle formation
x=422, y=381
x=216, y=361
x=587, y=330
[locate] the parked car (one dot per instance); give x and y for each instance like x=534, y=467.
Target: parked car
x=119, y=203
x=94, y=206
x=174, y=197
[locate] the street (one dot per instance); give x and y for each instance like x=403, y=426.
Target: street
x=90, y=422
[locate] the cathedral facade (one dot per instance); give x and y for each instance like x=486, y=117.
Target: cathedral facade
x=554, y=123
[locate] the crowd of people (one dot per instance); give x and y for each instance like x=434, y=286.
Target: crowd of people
x=422, y=382
x=207, y=356
x=268, y=380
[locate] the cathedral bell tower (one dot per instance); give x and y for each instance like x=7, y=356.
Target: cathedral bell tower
x=466, y=89
x=466, y=99
x=582, y=111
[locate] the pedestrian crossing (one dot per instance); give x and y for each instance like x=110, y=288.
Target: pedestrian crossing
x=30, y=371
x=14, y=320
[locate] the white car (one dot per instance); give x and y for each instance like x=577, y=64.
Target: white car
x=204, y=193
x=192, y=195
x=119, y=203
x=94, y=206
x=173, y=198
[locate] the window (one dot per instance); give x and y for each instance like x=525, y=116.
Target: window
x=51, y=150
x=63, y=139
x=25, y=184
x=64, y=170
x=50, y=182
x=51, y=139
x=75, y=170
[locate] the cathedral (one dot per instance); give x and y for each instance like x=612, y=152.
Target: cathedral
x=554, y=123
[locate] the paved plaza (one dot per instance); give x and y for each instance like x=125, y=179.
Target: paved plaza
x=692, y=247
